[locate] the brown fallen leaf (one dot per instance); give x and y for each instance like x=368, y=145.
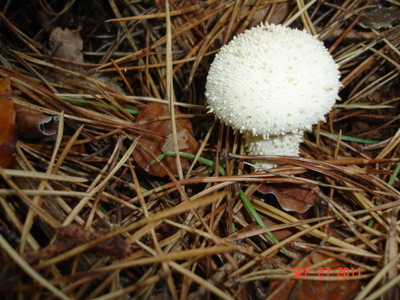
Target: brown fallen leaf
x=219, y=277
x=380, y=17
x=115, y=246
x=297, y=198
x=153, y=118
x=78, y=149
x=67, y=44
x=280, y=12
x=74, y=235
x=315, y=289
x=34, y=125
x=8, y=130
x=251, y=231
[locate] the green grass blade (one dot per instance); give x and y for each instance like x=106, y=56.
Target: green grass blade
x=190, y=156
x=83, y=101
x=393, y=177
x=347, y=138
x=257, y=218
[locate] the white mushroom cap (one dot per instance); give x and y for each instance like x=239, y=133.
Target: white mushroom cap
x=271, y=80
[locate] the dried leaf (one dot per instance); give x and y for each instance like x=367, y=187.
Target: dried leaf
x=34, y=125
x=292, y=197
x=316, y=289
x=8, y=131
x=163, y=141
x=78, y=149
x=9, y=273
x=250, y=229
x=74, y=235
x=280, y=13
x=380, y=17
x=47, y=252
x=67, y=44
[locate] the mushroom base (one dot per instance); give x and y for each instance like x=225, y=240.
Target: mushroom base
x=287, y=145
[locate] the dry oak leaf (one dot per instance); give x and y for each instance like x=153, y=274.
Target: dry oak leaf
x=251, y=230
x=154, y=118
x=67, y=44
x=35, y=125
x=297, y=198
x=8, y=130
x=380, y=17
x=315, y=289
x=279, y=14
x=74, y=235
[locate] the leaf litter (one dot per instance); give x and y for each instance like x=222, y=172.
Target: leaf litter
x=96, y=205
x=8, y=129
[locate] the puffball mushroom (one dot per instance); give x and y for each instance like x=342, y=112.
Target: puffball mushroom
x=271, y=83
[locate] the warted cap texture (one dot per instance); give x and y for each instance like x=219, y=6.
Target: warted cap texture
x=271, y=80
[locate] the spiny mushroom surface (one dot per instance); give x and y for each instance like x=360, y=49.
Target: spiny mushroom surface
x=270, y=81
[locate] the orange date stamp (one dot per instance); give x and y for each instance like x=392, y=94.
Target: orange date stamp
x=327, y=272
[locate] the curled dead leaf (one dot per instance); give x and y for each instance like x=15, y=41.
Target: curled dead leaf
x=67, y=44
x=77, y=149
x=74, y=235
x=380, y=17
x=292, y=197
x=34, y=125
x=8, y=131
x=279, y=13
x=251, y=231
x=154, y=118
x=315, y=289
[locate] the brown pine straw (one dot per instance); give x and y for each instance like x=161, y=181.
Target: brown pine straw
x=80, y=220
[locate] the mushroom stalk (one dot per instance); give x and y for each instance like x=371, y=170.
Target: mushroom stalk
x=283, y=144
